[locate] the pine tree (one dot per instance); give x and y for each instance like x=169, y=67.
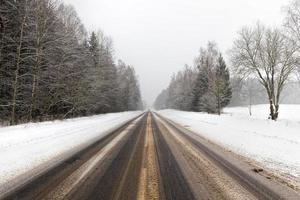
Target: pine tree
x=108, y=75
x=204, y=101
x=206, y=62
x=94, y=48
x=98, y=97
x=196, y=93
x=222, y=88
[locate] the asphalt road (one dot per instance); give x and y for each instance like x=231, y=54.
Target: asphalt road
x=153, y=158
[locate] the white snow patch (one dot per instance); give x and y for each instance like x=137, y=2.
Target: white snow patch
x=26, y=147
x=289, y=112
x=275, y=145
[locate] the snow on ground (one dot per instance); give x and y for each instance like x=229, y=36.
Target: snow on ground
x=275, y=145
x=286, y=112
x=29, y=146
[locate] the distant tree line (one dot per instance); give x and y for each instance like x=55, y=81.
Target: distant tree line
x=50, y=67
x=262, y=58
x=248, y=92
x=203, y=88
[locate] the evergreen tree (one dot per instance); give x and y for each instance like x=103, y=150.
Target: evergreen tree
x=93, y=45
x=203, y=103
x=200, y=88
x=221, y=87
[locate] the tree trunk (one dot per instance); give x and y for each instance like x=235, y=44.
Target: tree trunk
x=33, y=91
x=273, y=111
x=250, y=109
x=276, y=112
x=219, y=106
x=35, y=80
x=16, y=73
x=250, y=104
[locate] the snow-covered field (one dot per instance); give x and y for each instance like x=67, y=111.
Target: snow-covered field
x=33, y=146
x=288, y=112
x=275, y=145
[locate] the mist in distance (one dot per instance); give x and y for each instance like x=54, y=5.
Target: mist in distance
x=158, y=37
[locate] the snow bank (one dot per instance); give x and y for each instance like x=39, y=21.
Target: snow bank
x=26, y=147
x=275, y=145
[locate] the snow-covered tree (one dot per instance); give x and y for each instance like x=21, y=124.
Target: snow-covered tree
x=181, y=88
x=200, y=88
x=221, y=86
x=128, y=92
x=268, y=55
x=204, y=88
x=161, y=100
x=212, y=90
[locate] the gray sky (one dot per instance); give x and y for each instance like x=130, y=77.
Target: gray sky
x=158, y=37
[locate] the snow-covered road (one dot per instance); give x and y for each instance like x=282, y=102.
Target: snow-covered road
x=29, y=147
x=275, y=145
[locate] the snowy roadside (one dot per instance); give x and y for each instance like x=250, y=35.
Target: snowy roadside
x=31, y=147
x=275, y=145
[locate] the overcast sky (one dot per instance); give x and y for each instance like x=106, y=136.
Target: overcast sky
x=157, y=37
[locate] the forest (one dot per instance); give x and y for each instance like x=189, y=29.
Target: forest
x=52, y=67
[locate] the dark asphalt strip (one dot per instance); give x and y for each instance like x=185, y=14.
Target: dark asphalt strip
x=175, y=186
x=120, y=181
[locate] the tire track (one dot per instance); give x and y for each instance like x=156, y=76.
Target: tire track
x=120, y=179
x=175, y=186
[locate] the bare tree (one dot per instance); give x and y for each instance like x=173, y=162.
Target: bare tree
x=292, y=24
x=23, y=17
x=44, y=23
x=292, y=20
x=268, y=55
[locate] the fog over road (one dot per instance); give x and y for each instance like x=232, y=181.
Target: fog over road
x=152, y=157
